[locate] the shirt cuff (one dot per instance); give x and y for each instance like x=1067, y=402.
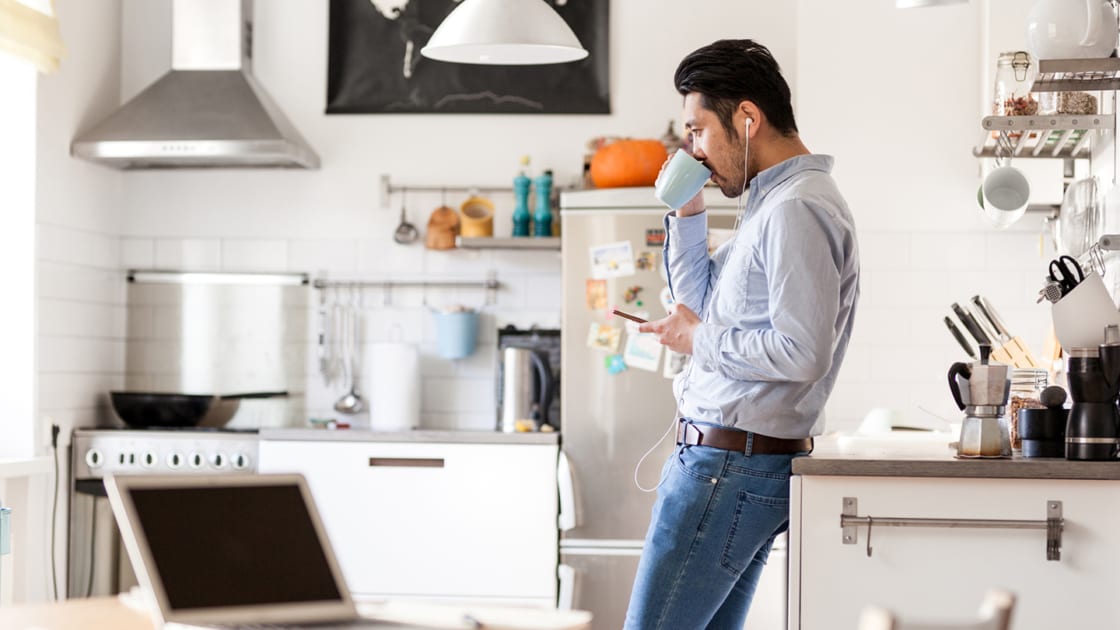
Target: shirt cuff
x=687, y=231
x=705, y=345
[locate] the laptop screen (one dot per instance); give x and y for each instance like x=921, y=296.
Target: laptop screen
x=225, y=546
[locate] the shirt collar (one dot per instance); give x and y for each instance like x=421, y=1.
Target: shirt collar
x=765, y=181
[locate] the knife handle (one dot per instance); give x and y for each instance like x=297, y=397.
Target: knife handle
x=971, y=326
x=959, y=336
x=990, y=311
x=987, y=321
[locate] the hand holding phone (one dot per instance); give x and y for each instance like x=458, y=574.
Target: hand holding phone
x=633, y=318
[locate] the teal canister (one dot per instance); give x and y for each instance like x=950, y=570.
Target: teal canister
x=521, y=205
x=542, y=219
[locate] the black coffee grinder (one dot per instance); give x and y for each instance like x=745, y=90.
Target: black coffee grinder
x=1094, y=382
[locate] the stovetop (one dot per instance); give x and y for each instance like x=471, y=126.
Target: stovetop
x=98, y=452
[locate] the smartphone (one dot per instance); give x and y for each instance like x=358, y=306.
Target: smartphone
x=633, y=318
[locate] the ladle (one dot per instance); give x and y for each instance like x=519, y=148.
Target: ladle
x=350, y=402
x=406, y=232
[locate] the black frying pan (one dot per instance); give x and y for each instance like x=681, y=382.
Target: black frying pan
x=143, y=410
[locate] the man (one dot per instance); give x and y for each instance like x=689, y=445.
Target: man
x=766, y=319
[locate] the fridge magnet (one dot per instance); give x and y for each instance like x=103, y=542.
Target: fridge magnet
x=643, y=351
x=655, y=238
x=717, y=237
x=646, y=260
x=596, y=291
x=614, y=363
x=603, y=337
x=374, y=65
x=612, y=260
x=666, y=297
x=631, y=294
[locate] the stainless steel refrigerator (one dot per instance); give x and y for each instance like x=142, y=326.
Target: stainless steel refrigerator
x=610, y=420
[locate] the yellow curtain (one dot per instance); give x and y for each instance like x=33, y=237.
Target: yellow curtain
x=30, y=34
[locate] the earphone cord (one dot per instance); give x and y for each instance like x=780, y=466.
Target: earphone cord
x=741, y=206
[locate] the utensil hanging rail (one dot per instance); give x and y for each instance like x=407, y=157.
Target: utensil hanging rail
x=489, y=284
x=388, y=188
x=1053, y=524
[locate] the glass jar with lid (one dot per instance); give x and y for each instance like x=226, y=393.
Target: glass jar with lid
x=1012, y=92
x=1026, y=387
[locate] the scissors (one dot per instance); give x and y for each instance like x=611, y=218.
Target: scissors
x=1062, y=271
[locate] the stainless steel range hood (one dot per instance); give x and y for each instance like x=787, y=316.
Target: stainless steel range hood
x=208, y=111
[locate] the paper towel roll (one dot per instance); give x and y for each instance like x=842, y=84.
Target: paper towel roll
x=394, y=387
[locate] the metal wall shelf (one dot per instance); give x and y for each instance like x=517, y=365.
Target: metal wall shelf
x=1062, y=136
x=1070, y=75
x=519, y=242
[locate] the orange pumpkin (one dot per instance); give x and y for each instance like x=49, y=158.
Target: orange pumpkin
x=627, y=163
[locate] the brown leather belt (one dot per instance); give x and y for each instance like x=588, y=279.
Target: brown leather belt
x=736, y=440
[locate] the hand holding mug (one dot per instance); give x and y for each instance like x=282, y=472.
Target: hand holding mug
x=681, y=182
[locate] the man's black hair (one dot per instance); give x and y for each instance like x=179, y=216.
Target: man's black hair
x=729, y=71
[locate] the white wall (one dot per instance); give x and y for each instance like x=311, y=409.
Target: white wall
x=896, y=95
x=80, y=289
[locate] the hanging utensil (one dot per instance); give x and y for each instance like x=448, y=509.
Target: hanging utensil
x=406, y=232
x=350, y=402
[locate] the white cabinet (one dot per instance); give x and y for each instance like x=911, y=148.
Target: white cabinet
x=434, y=520
x=942, y=573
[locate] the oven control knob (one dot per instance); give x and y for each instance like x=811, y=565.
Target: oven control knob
x=149, y=459
x=94, y=458
x=240, y=461
x=197, y=460
x=174, y=460
x=218, y=460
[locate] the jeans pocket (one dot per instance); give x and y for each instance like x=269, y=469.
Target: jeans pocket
x=700, y=463
x=755, y=520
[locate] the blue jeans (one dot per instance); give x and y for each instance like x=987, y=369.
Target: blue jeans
x=716, y=516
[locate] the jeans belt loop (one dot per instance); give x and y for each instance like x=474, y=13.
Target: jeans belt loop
x=750, y=444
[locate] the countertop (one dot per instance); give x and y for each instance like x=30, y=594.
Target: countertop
x=826, y=460
x=365, y=435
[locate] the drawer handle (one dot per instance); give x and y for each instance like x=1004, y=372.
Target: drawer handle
x=849, y=521
x=406, y=462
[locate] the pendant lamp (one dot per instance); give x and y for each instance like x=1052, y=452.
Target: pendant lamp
x=504, y=33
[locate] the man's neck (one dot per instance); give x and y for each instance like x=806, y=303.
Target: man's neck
x=777, y=149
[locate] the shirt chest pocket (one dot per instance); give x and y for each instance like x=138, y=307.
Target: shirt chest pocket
x=741, y=286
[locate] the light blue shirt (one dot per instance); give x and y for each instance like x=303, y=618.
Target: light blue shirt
x=776, y=303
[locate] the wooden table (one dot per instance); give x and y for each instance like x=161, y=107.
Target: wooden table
x=98, y=613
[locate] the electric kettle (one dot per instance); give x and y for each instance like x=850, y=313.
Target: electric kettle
x=526, y=389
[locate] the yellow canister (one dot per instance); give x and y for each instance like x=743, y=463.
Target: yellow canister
x=477, y=217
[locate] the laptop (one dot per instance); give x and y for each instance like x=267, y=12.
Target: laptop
x=225, y=551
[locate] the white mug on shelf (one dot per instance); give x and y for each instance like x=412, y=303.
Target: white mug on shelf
x=1003, y=195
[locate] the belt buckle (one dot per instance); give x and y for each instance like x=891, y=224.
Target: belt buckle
x=695, y=429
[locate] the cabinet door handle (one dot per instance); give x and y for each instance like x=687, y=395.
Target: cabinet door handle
x=1053, y=525
x=406, y=462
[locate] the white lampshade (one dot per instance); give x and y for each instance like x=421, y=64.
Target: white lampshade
x=504, y=33
x=912, y=4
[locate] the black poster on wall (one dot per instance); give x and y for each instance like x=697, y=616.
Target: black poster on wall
x=375, y=66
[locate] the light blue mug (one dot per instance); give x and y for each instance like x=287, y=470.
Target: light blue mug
x=456, y=333
x=680, y=180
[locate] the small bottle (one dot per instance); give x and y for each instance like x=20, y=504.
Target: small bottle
x=542, y=218
x=521, y=200
x=1026, y=387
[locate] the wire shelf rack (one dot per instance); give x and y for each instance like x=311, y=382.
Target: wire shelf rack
x=1063, y=136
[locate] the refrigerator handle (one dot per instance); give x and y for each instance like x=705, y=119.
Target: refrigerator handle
x=566, y=594
x=566, y=485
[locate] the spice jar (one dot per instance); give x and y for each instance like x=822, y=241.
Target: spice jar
x=1026, y=386
x=1012, y=93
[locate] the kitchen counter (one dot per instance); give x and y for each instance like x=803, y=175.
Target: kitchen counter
x=935, y=465
x=363, y=435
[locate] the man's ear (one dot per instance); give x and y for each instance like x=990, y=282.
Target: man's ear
x=751, y=112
